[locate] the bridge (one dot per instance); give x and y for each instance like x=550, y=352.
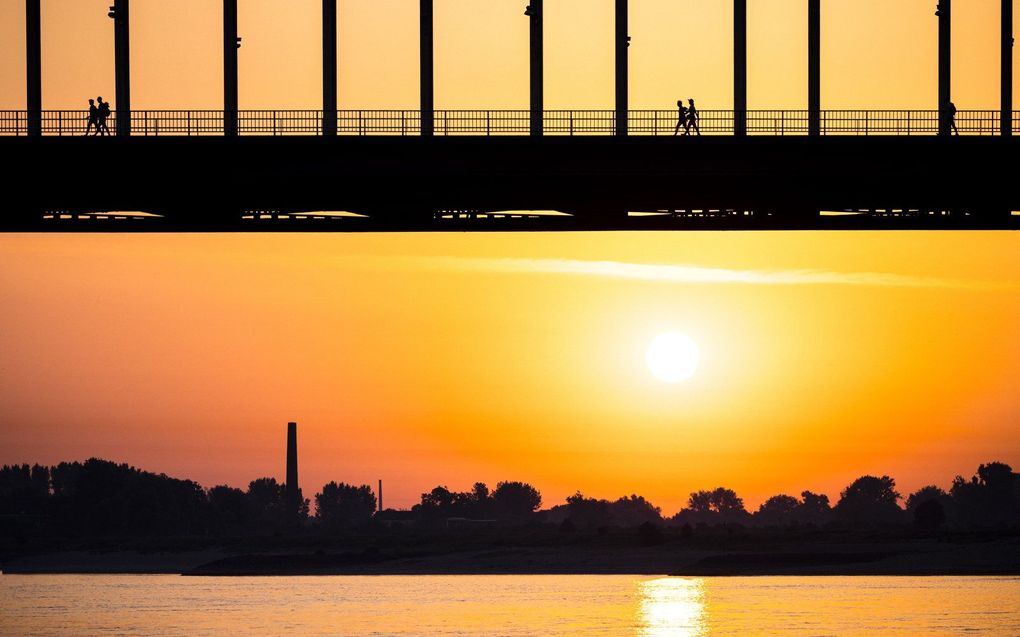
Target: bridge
x=535, y=169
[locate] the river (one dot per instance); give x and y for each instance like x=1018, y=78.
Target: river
x=513, y=605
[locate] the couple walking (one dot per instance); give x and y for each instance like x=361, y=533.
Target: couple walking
x=98, y=116
x=687, y=117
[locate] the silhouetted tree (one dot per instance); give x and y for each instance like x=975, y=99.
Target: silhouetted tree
x=779, y=510
x=991, y=498
x=869, y=502
x=928, y=507
x=814, y=509
x=98, y=497
x=24, y=489
x=230, y=510
x=515, y=499
x=436, y=503
x=344, y=504
x=268, y=501
x=587, y=512
x=719, y=506
x=634, y=510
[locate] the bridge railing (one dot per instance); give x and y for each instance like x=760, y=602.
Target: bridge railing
x=508, y=122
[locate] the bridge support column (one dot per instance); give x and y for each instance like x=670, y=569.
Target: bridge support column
x=945, y=15
x=536, y=13
x=428, y=106
x=230, y=45
x=1007, y=68
x=622, y=77
x=814, y=67
x=121, y=15
x=740, y=67
x=329, y=92
x=33, y=58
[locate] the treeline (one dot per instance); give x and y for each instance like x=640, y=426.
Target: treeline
x=100, y=498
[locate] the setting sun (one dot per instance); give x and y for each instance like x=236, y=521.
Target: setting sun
x=672, y=357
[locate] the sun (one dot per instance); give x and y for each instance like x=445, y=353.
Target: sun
x=672, y=357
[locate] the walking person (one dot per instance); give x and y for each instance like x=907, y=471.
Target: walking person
x=93, y=118
x=951, y=118
x=681, y=118
x=104, y=114
x=693, y=118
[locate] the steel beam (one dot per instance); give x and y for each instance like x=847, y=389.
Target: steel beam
x=33, y=71
x=329, y=81
x=427, y=84
x=230, y=46
x=536, y=13
x=622, y=78
x=814, y=67
x=740, y=67
x=1007, y=69
x=945, y=15
x=122, y=62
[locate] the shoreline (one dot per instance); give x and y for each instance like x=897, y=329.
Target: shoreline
x=1001, y=558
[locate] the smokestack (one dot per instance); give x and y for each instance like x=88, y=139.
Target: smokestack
x=380, y=497
x=292, y=478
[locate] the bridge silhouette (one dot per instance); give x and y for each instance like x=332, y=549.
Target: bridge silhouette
x=534, y=169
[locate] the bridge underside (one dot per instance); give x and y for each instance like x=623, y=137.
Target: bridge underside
x=466, y=183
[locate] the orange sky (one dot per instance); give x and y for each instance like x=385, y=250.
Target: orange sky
x=450, y=358
x=426, y=359
x=875, y=53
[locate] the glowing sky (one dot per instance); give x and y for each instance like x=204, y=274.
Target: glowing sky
x=426, y=359
x=875, y=53
x=453, y=358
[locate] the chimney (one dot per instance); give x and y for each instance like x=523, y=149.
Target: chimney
x=293, y=496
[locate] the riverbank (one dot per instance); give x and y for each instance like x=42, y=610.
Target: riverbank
x=1000, y=557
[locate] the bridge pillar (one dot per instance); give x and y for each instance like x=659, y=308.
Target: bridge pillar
x=740, y=67
x=814, y=67
x=33, y=58
x=428, y=105
x=230, y=45
x=536, y=13
x=1007, y=68
x=622, y=79
x=329, y=91
x=121, y=15
x=945, y=15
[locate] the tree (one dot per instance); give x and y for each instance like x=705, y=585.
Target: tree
x=230, y=508
x=634, y=510
x=516, y=499
x=814, y=508
x=98, y=497
x=991, y=498
x=927, y=507
x=344, y=504
x=868, y=502
x=779, y=510
x=719, y=506
x=24, y=489
x=588, y=512
x=929, y=515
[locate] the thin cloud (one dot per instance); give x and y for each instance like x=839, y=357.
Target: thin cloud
x=692, y=274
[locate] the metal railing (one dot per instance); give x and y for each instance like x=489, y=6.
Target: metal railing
x=154, y=123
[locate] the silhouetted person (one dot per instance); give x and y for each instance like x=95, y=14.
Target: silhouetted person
x=93, y=118
x=104, y=114
x=681, y=118
x=951, y=118
x=693, y=118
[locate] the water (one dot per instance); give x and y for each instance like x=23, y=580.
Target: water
x=513, y=605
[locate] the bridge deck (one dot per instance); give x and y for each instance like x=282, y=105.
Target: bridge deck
x=421, y=184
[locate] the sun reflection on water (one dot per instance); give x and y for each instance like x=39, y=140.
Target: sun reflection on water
x=673, y=607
